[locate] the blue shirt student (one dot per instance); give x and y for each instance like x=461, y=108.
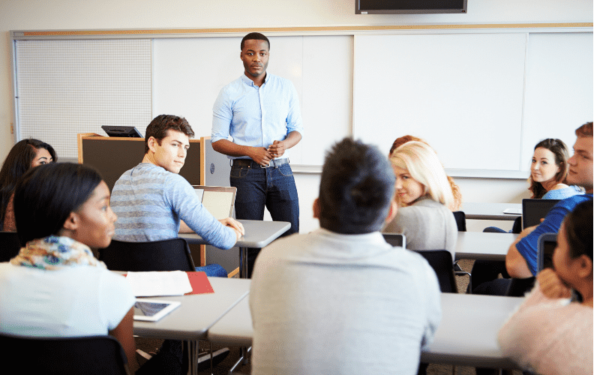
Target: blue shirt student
x=528, y=246
x=256, y=116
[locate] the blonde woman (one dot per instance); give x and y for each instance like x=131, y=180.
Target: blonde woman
x=423, y=190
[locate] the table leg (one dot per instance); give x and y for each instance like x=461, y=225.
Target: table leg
x=244, y=263
x=193, y=356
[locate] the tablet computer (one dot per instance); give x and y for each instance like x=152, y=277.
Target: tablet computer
x=395, y=239
x=546, y=246
x=151, y=310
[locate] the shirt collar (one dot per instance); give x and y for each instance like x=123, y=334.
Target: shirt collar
x=249, y=82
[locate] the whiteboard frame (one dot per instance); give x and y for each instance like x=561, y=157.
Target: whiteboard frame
x=90, y=34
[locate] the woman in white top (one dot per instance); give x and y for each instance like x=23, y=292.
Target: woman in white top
x=55, y=287
x=548, y=333
x=423, y=190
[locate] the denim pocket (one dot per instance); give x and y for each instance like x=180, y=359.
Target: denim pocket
x=239, y=172
x=285, y=170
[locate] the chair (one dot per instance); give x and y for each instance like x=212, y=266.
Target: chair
x=461, y=220
x=94, y=355
x=166, y=255
x=518, y=287
x=441, y=262
x=9, y=246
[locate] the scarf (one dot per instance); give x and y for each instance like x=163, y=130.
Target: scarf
x=55, y=253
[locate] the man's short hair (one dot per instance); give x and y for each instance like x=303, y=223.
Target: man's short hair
x=162, y=123
x=357, y=187
x=585, y=130
x=256, y=36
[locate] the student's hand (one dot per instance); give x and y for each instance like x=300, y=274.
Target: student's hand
x=551, y=285
x=237, y=227
x=260, y=155
x=277, y=149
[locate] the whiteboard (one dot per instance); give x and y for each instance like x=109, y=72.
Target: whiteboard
x=188, y=74
x=558, y=89
x=463, y=93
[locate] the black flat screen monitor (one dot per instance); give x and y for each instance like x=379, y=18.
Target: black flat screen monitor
x=409, y=6
x=122, y=131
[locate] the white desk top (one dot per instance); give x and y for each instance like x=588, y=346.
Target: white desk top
x=197, y=313
x=490, y=211
x=483, y=246
x=258, y=233
x=466, y=335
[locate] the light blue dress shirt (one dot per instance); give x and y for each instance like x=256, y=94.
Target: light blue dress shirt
x=256, y=116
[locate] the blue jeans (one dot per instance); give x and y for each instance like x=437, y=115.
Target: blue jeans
x=213, y=270
x=272, y=187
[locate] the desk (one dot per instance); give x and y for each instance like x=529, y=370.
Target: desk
x=483, y=246
x=196, y=315
x=258, y=235
x=466, y=336
x=490, y=211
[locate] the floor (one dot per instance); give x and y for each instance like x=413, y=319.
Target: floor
x=151, y=345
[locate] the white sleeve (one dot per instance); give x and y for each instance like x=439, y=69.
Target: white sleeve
x=116, y=299
x=433, y=304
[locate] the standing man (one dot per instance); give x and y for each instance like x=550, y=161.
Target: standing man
x=261, y=113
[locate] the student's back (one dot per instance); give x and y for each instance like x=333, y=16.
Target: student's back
x=337, y=304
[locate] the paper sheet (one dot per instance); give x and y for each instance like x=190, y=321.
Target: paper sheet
x=148, y=284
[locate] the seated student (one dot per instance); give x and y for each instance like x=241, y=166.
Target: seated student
x=521, y=258
x=61, y=211
x=423, y=189
x=340, y=300
x=25, y=154
x=547, y=334
x=549, y=171
x=455, y=189
x=152, y=198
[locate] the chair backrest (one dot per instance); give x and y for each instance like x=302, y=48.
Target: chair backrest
x=9, y=246
x=518, y=287
x=166, y=255
x=441, y=262
x=546, y=246
x=94, y=355
x=518, y=225
x=461, y=220
x=536, y=209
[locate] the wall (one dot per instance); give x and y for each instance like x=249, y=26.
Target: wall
x=138, y=14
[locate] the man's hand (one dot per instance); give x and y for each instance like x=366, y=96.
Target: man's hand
x=277, y=149
x=551, y=285
x=237, y=227
x=260, y=155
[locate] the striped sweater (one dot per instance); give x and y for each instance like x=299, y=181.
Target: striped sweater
x=150, y=201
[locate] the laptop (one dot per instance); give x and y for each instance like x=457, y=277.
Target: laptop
x=395, y=239
x=218, y=200
x=546, y=246
x=536, y=209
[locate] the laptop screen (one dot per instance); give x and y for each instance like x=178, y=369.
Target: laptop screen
x=546, y=247
x=536, y=209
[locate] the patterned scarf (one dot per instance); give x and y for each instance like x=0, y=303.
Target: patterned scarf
x=54, y=253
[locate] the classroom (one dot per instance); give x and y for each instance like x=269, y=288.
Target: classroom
x=331, y=25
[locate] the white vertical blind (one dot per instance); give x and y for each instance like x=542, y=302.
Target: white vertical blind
x=65, y=87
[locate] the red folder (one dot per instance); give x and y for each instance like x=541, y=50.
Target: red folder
x=200, y=283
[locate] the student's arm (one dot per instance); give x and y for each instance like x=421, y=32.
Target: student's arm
x=516, y=265
x=124, y=334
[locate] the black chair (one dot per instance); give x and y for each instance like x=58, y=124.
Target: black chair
x=518, y=287
x=9, y=246
x=461, y=220
x=166, y=255
x=94, y=355
x=441, y=262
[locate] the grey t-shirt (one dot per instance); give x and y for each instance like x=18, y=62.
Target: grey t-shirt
x=427, y=225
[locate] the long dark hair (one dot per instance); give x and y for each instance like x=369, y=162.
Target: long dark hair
x=15, y=165
x=579, y=227
x=46, y=195
x=561, y=155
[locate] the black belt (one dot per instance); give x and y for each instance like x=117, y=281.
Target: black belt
x=249, y=163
